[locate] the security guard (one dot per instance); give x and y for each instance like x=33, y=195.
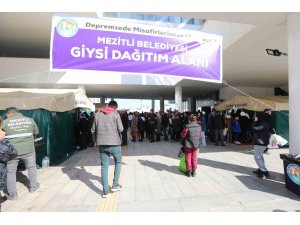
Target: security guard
x=20, y=131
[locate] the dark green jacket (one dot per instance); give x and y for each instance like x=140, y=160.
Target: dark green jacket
x=19, y=130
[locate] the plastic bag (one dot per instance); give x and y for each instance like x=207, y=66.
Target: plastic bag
x=280, y=140
x=273, y=142
x=276, y=140
x=182, y=165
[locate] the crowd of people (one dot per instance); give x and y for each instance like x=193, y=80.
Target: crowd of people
x=108, y=129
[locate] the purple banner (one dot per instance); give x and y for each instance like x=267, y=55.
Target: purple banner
x=105, y=50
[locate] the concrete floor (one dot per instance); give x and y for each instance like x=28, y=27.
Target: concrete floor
x=152, y=183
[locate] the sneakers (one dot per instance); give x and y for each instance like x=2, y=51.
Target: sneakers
x=257, y=171
x=116, y=188
x=32, y=190
x=237, y=142
x=105, y=194
x=261, y=174
x=266, y=174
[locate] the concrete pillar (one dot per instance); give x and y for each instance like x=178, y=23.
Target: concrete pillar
x=178, y=98
x=162, y=104
x=293, y=29
x=102, y=100
x=153, y=104
x=194, y=105
x=189, y=104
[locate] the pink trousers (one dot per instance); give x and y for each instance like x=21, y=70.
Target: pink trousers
x=191, y=158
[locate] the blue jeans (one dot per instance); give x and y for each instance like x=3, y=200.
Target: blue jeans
x=105, y=152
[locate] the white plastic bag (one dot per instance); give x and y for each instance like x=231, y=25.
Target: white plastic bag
x=280, y=140
x=276, y=140
x=273, y=142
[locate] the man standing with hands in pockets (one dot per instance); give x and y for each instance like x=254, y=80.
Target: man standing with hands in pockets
x=106, y=130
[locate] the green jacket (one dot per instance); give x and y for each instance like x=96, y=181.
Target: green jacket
x=19, y=130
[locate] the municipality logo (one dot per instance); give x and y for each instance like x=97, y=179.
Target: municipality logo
x=293, y=171
x=67, y=28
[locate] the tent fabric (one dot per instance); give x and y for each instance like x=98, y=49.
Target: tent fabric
x=54, y=100
x=277, y=103
x=58, y=130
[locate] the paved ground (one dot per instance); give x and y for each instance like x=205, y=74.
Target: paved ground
x=152, y=182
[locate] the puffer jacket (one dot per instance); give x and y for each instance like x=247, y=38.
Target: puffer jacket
x=7, y=153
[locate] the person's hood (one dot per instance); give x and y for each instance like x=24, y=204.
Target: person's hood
x=108, y=110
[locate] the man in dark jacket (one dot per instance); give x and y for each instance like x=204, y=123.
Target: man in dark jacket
x=261, y=133
x=125, y=122
x=164, y=125
x=219, y=126
x=268, y=117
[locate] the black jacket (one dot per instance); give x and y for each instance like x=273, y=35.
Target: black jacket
x=261, y=133
x=7, y=153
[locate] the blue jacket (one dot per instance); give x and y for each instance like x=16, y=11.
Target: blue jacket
x=236, y=126
x=203, y=124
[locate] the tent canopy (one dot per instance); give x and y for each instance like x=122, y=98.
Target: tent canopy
x=277, y=103
x=55, y=100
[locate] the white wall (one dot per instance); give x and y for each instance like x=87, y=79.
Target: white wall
x=228, y=92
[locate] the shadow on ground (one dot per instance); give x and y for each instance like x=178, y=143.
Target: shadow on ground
x=159, y=166
x=85, y=177
x=274, y=185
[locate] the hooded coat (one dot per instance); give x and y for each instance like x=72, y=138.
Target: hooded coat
x=107, y=127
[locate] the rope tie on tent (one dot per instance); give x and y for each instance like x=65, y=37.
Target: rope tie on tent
x=255, y=99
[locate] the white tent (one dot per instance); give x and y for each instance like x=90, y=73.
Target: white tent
x=255, y=104
x=55, y=100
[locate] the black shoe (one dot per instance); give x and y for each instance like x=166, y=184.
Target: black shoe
x=188, y=173
x=258, y=171
x=152, y=141
x=124, y=144
x=217, y=144
x=223, y=144
x=193, y=173
x=133, y=140
x=266, y=174
x=105, y=194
